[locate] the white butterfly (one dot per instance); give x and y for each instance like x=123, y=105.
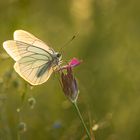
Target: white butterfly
x=35, y=61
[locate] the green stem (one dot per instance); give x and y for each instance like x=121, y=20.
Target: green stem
x=81, y=118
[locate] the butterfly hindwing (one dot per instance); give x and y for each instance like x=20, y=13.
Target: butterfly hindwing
x=32, y=74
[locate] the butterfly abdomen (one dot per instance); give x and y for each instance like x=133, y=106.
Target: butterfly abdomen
x=43, y=69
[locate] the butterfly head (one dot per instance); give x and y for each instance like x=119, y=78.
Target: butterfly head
x=57, y=57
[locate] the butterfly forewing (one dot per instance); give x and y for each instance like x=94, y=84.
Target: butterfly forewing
x=23, y=36
x=12, y=49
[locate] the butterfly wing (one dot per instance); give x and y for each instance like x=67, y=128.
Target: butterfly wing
x=21, y=36
x=24, y=36
x=33, y=64
x=34, y=60
x=12, y=49
x=31, y=74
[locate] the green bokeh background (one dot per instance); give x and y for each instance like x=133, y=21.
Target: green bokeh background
x=108, y=42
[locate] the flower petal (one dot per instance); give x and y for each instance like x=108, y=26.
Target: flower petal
x=74, y=62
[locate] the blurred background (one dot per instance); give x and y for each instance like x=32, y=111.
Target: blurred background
x=108, y=42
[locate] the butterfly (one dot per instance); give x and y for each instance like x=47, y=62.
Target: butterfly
x=35, y=61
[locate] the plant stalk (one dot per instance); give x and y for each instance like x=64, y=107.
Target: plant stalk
x=81, y=118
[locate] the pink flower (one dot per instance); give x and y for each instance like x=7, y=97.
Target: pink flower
x=73, y=63
x=68, y=81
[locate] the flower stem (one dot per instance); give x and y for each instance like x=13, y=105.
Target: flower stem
x=81, y=118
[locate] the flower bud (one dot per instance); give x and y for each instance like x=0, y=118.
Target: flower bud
x=69, y=84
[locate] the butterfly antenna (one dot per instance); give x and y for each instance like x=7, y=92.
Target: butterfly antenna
x=71, y=39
